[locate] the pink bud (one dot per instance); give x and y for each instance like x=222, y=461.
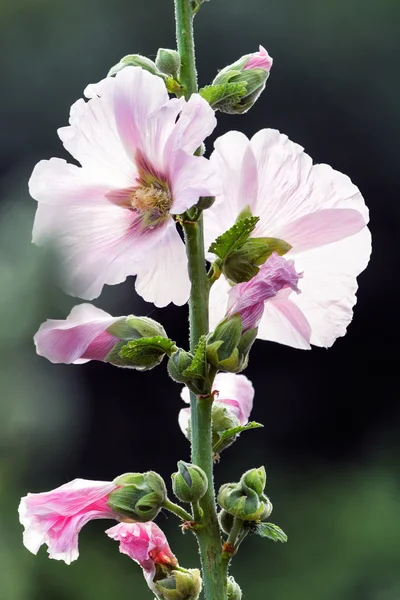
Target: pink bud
x=259, y=60
x=248, y=298
x=55, y=518
x=146, y=544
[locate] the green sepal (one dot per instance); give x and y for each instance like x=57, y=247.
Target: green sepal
x=179, y=361
x=168, y=62
x=135, y=60
x=243, y=264
x=223, y=95
x=132, y=328
x=146, y=352
x=269, y=530
x=229, y=435
x=190, y=483
x=234, y=238
x=177, y=584
x=198, y=367
x=139, y=496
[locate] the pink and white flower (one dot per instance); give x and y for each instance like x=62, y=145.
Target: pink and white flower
x=81, y=337
x=276, y=276
x=113, y=216
x=259, y=60
x=315, y=209
x=234, y=391
x=146, y=544
x=55, y=518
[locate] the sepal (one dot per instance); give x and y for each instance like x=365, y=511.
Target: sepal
x=134, y=60
x=233, y=591
x=190, y=483
x=168, y=62
x=178, y=584
x=139, y=496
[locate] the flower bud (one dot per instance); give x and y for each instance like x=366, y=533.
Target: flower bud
x=226, y=521
x=233, y=591
x=222, y=344
x=205, y=202
x=134, y=60
x=245, y=499
x=168, y=61
x=249, y=74
x=223, y=418
x=179, y=361
x=243, y=264
x=189, y=483
x=182, y=584
x=139, y=496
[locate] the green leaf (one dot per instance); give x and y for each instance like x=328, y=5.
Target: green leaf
x=234, y=431
x=271, y=531
x=198, y=367
x=224, y=93
x=144, y=351
x=234, y=238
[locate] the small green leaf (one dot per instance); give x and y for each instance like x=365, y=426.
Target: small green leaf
x=234, y=238
x=271, y=531
x=223, y=93
x=144, y=351
x=232, y=433
x=198, y=367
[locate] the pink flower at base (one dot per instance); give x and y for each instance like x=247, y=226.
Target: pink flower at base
x=259, y=60
x=234, y=391
x=146, y=544
x=315, y=209
x=248, y=298
x=113, y=216
x=55, y=518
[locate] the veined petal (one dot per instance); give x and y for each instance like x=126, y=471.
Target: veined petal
x=196, y=122
x=238, y=389
x=162, y=275
x=192, y=177
x=285, y=323
x=329, y=285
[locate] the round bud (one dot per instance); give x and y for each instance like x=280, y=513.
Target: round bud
x=233, y=591
x=139, y=496
x=184, y=584
x=226, y=521
x=168, y=61
x=189, y=483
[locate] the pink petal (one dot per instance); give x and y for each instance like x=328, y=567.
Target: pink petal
x=68, y=341
x=259, y=60
x=284, y=322
x=55, y=518
x=237, y=389
x=329, y=285
x=322, y=227
x=191, y=177
x=162, y=276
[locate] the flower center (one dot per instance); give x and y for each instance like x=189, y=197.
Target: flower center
x=152, y=199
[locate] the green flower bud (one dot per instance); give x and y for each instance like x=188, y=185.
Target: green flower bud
x=222, y=419
x=179, y=361
x=179, y=584
x=255, y=479
x=233, y=591
x=139, y=497
x=226, y=521
x=189, y=483
x=168, y=62
x=205, y=202
x=134, y=60
x=243, y=264
x=222, y=344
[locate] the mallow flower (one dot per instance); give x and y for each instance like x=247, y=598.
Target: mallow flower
x=89, y=333
x=316, y=216
x=113, y=215
x=232, y=404
x=55, y=518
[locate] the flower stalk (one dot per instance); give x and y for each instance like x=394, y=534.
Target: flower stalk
x=214, y=575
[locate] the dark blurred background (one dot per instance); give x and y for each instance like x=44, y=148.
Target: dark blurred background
x=332, y=420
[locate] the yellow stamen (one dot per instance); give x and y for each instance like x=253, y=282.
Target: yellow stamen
x=151, y=198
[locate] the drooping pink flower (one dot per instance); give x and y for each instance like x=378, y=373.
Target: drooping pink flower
x=275, y=276
x=88, y=333
x=113, y=216
x=146, y=544
x=259, y=60
x=234, y=391
x=315, y=209
x=55, y=518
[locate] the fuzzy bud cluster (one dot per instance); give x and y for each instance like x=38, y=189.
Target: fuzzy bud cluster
x=246, y=499
x=139, y=496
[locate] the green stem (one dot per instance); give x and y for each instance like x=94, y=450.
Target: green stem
x=214, y=574
x=185, y=43
x=177, y=510
x=237, y=526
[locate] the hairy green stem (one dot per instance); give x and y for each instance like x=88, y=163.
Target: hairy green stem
x=177, y=510
x=209, y=538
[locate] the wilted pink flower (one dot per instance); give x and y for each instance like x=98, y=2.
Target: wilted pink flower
x=259, y=60
x=112, y=217
x=146, y=544
x=317, y=210
x=248, y=298
x=55, y=518
x=234, y=391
